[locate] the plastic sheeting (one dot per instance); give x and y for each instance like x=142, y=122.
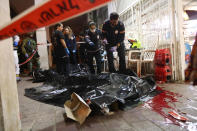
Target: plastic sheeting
x=100, y=91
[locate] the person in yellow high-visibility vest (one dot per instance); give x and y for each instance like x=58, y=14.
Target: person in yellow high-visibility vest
x=136, y=44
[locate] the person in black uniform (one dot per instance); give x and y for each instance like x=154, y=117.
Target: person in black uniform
x=82, y=48
x=93, y=46
x=71, y=44
x=113, y=37
x=61, y=51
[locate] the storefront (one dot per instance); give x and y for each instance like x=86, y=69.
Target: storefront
x=158, y=24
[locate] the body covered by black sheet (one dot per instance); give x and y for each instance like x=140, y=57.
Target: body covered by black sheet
x=101, y=91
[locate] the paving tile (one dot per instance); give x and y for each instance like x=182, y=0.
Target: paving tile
x=93, y=123
x=59, y=113
x=62, y=126
x=136, y=109
x=131, y=117
x=116, y=122
x=151, y=115
x=44, y=120
x=145, y=126
x=175, y=128
x=42, y=125
x=70, y=126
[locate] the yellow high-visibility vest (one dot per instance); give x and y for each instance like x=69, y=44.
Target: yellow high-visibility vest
x=135, y=44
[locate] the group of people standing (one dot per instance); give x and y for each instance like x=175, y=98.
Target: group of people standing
x=111, y=37
x=64, y=44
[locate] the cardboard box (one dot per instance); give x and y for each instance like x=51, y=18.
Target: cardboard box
x=77, y=109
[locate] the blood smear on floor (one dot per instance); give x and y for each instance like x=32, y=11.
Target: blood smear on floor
x=165, y=102
x=162, y=101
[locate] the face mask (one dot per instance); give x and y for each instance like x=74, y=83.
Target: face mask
x=16, y=39
x=93, y=30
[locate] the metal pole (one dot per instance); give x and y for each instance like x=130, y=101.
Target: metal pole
x=173, y=39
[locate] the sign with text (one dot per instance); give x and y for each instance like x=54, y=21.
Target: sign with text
x=49, y=12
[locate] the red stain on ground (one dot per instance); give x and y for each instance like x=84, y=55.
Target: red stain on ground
x=165, y=99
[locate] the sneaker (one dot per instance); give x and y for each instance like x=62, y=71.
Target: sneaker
x=18, y=78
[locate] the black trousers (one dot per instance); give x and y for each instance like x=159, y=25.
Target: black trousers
x=73, y=57
x=82, y=53
x=90, y=56
x=62, y=65
x=73, y=61
x=121, y=54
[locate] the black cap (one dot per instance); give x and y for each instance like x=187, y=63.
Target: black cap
x=92, y=23
x=114, y=16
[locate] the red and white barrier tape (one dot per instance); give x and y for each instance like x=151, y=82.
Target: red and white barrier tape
x=28, y=58
x=48, y=13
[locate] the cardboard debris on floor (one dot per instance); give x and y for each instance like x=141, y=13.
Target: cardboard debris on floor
x=77, y=109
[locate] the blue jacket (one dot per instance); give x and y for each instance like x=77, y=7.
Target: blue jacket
x=70, y=43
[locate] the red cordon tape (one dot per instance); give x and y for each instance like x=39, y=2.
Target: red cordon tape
x=29, y=58
x=48, y=13
x=41, y=44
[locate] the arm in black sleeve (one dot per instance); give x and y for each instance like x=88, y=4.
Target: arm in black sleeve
x=74, y=42
x=61, y=37
x=87, y=37
x=121, y=35
x=100, y=34
x=104, y=31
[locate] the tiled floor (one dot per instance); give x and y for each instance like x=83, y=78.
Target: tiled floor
x=39, y=116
